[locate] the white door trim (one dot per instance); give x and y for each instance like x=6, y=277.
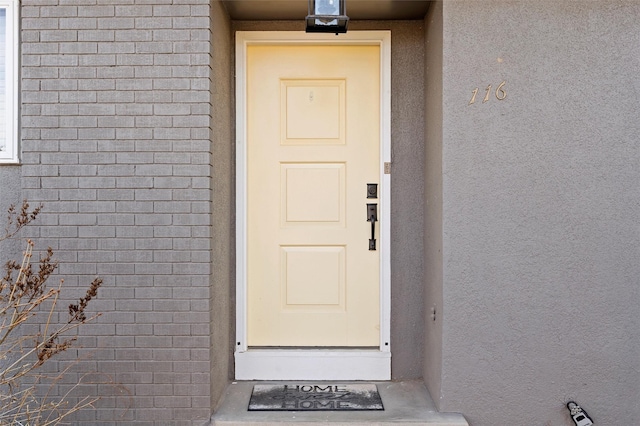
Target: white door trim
x=312, y=364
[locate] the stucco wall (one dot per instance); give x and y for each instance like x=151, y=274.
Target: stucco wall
x=541, y=211
x=407, y=152
x=10, y=193
x=433, y=307
x=222, y=224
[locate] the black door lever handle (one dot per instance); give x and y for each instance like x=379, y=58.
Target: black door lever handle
x=372, y=216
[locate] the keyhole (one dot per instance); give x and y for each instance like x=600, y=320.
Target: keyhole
x=311, y=96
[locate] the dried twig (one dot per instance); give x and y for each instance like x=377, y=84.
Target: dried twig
x=17, y=221
x=24, y=296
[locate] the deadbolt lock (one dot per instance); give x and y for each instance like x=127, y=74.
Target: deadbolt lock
x=372, y=190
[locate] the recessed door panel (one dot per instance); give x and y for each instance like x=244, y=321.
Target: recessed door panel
x=313, y=277
x=313, y=192
x=312, y=111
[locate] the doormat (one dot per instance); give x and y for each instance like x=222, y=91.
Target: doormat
x=310, y=397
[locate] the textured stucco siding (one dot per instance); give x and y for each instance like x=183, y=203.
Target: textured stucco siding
x=540, y=211
x=433, y=268
x=10, y=193
x=222, y=250
x=116, y=143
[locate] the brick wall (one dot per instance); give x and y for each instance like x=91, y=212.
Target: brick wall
x=116, y=120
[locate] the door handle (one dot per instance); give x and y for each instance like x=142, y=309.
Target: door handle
x=372, y=216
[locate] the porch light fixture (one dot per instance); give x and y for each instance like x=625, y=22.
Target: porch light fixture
x=327, y=16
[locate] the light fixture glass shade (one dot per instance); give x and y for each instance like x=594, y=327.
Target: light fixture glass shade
x=327, y=7
x=327, y=16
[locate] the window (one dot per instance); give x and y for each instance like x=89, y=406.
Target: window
x=8, y=82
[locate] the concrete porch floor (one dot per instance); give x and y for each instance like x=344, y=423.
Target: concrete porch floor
x=404, y=402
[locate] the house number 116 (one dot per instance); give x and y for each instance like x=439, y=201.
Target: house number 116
x=501, y=94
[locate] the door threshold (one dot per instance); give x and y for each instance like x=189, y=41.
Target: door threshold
x=404, y=402
x=313, y=364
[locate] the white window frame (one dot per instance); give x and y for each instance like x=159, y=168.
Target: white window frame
x=9, y=146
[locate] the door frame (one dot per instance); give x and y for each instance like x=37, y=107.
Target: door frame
x=329, y=364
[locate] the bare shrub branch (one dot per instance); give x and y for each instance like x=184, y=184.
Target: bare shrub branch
x=18, y=220
x=25, y=298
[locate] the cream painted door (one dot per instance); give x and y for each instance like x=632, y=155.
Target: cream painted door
x=313, y=144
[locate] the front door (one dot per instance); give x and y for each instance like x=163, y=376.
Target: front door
x=313, y=171
x=313, y=146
